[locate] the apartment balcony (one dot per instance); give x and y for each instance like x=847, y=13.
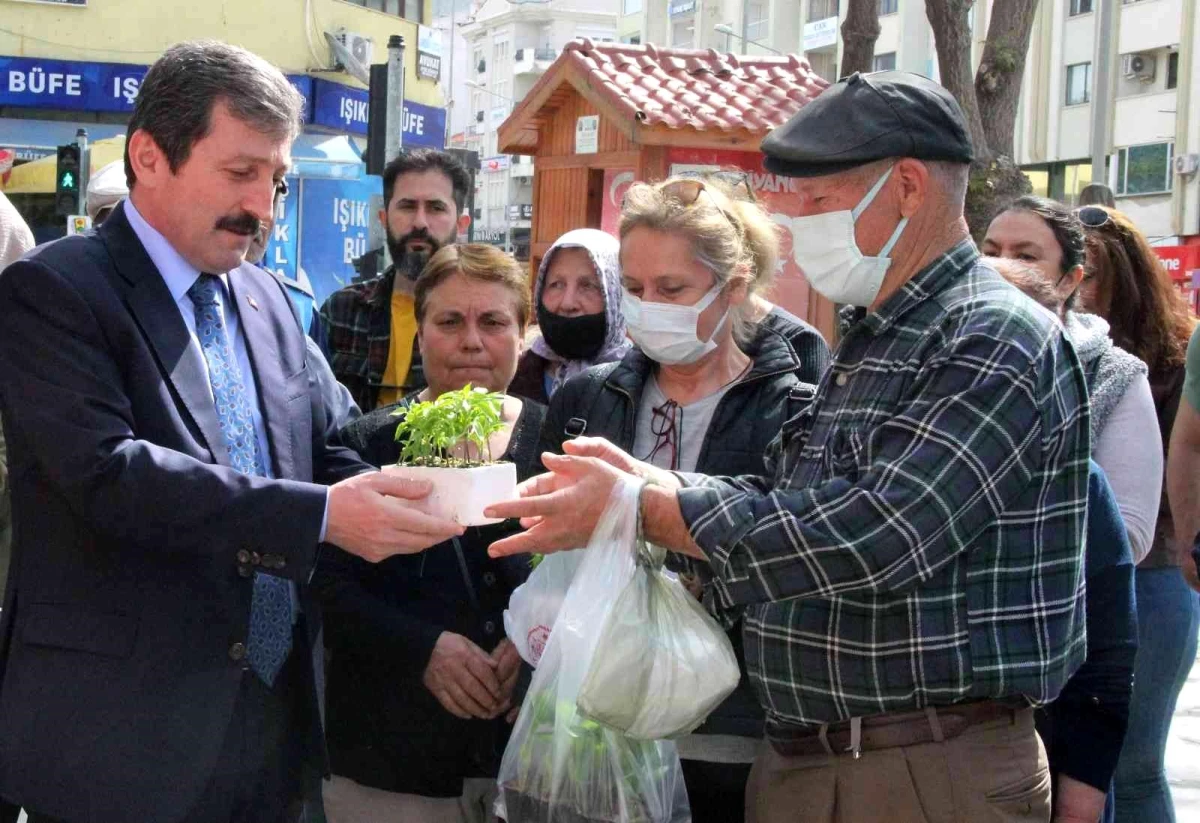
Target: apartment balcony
x=533, y=61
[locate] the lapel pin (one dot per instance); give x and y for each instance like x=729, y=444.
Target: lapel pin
x=253, y=303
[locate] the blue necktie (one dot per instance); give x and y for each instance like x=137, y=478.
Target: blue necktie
x=271, y=621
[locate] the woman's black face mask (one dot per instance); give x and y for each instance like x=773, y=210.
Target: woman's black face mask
x=573, y=338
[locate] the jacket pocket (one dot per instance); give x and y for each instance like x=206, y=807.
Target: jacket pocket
x=63, y=626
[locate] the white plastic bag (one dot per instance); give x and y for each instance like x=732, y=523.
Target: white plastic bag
x=663, y=663
x=534, y=605
x=559, y=766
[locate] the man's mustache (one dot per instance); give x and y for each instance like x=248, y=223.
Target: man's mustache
x=244, y=224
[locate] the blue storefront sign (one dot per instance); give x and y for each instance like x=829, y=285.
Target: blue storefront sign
x=73, y=85
x=284, y=244
x=67, y=84
x=345, y=108
x=335, y=225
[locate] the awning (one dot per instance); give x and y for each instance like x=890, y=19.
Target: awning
x=38, y=177
x=43, y=136
x=325, y=155
x=313, y=155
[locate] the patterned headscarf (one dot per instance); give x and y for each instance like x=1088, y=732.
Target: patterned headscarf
x=604, y=251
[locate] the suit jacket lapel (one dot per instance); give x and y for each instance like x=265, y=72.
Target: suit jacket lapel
x=157, y=313
x=258, y=328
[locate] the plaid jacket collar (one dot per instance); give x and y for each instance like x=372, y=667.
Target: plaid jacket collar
x=927, y=283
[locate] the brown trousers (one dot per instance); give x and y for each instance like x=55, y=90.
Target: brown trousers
x=994, y=772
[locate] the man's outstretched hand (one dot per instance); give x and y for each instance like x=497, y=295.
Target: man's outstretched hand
x=560, y=509
x=371, y=516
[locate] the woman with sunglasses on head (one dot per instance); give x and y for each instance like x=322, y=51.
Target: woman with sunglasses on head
x=1049, y=239
x=1130, y=288
x=705, y=389
x=1038, y=246
x=578, y=302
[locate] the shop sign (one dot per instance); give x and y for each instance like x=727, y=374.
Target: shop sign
x=80, y=86
x=429, y=53
x=335, y=224
x=1179, y=261
x=498, y=163
x=68, y=84
x=820, y=33
x=682, y=7
x=283, y=246
x=520, y=211
x=345, y=108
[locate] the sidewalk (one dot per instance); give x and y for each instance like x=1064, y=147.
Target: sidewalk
x=1183, y=751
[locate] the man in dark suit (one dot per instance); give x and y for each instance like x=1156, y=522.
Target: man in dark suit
x=169, y=453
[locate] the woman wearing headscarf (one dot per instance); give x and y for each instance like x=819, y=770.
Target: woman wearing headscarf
x=578, y=298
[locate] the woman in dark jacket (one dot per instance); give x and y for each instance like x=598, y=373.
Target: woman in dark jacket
x=421, y=679
x=706, y=389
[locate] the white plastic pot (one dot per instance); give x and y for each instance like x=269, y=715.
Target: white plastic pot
x=461, y=495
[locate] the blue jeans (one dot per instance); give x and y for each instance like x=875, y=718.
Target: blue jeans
x=1168, y=616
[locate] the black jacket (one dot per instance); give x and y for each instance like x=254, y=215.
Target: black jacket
x=603, y=402
x=385, y=729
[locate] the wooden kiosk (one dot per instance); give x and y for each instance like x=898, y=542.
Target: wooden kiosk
x=606, y=114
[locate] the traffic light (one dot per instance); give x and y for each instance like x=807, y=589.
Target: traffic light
x=66, y=188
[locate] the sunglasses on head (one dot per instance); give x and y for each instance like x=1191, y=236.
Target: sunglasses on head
x=688, y=190
x=1093, y=216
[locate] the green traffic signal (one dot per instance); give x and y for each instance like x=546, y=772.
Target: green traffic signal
x=66, y=201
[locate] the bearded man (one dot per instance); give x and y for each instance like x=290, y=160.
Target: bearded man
x=370, y=328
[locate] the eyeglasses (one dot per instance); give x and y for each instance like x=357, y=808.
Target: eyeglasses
x=663, y=427
x=281, y=189
x=1093, y=216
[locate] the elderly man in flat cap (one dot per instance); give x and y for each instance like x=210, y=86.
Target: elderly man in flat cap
x=911, y=573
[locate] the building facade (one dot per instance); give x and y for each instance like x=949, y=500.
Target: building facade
x=509, y=46
x=1152, y=144
x=70, y=64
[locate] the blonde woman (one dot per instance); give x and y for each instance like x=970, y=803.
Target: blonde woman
x=705, y=389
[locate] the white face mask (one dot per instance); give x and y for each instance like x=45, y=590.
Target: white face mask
x=824, y=248
x=667, y=333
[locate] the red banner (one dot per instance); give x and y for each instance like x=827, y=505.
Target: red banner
x=1183, y=264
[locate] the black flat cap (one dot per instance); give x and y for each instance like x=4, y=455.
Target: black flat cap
x=867, y=117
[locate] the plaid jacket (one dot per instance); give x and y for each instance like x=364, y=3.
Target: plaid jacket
x=920, y=540
x=357, y=325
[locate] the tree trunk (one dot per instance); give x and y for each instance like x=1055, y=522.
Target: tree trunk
x=998, y=81
x=952, y=38
x=859, y=33
x=995, y=178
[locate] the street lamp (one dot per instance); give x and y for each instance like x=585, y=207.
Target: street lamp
x=727, y=30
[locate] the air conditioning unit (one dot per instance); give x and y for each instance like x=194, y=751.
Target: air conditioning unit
x=1138, y=66
x=358, y=45
x=1186, y=163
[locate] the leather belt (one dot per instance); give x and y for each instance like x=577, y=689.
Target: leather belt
x=889, y=731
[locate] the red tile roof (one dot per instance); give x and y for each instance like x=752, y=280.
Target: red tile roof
x=693, y=88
